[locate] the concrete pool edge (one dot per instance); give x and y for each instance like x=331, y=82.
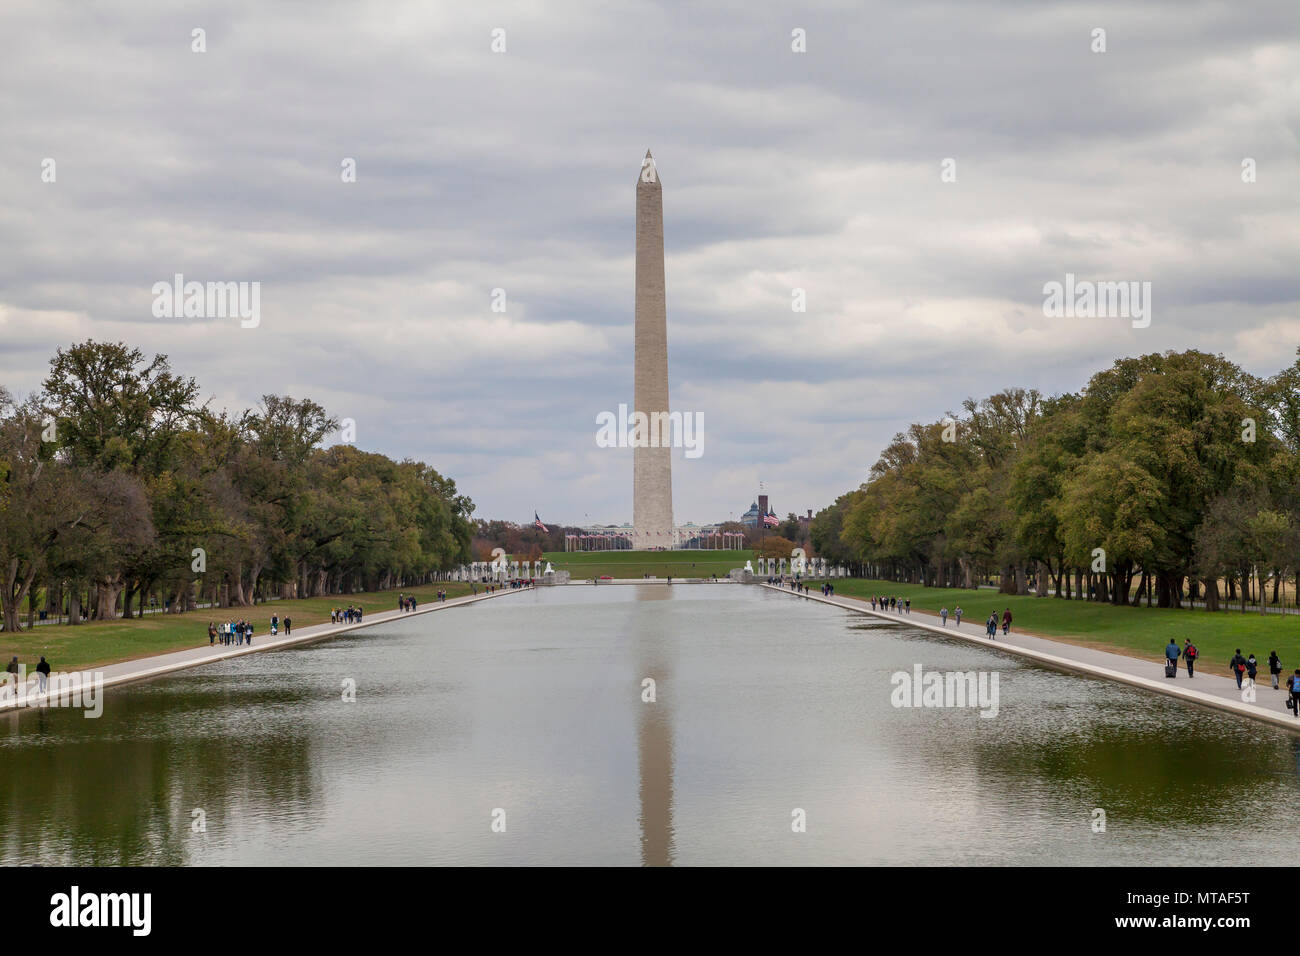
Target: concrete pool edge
x=1074, y=664
x=147, y=667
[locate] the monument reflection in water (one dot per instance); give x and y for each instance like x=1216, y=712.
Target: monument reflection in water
x=532, y=703
x=655, y=734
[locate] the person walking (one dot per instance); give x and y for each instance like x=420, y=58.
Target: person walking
x=1293, y=685
x=287, y=624
x=957, y=614
x=1172, y=653
x=43, y=674
x=991, y=626
x=1274, y=667
x=1252, y=667
x=943, y=615
x=908, y=605
x=1190, y=654
x=1006, y=621
x=275, y=624
x=212, y=634
x=1238, y=667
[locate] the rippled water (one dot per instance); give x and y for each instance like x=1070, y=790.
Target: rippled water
x=531, y=704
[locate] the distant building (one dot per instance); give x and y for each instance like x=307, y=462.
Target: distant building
x=753, y=518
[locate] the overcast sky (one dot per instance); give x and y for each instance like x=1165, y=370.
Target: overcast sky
x=517, y=170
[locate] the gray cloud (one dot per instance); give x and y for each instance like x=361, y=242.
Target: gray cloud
x=477, y=171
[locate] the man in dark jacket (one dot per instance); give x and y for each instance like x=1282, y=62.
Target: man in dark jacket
x=1189, y=655
x=1238, y=667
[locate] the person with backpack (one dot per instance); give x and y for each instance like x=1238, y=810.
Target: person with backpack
x=1190, y=653
x=1172, y=653
x=1293, y=685
x=1238, y=667
x=1006, y=621
x=991, y=626
x=1274, y=667
x=1252, y=667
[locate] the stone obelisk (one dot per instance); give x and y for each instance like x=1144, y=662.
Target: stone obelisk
x=652, y=479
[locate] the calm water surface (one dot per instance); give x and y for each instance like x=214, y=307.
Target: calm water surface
x=532, y=704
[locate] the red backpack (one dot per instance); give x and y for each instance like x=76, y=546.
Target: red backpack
x=1191, y=652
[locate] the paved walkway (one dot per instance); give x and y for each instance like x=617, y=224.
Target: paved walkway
x=157, y=664
x=1211, y=687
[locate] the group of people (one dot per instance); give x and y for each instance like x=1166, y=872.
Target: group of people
x=406, y=602
x=514, y=583
x=892, y=604
x=1242, y=668
x=991, y=625
x=797, y=585
x=238, y=633
x=347, y=615
x=42, y=672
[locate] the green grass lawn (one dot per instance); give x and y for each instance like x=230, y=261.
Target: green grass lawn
x=1139, y=631
x=637, y=564
x=107, y=642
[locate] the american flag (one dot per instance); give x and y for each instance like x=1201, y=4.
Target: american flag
x=770, y=519
x=537, y=523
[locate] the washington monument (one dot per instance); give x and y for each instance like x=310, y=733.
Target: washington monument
x=652, y=478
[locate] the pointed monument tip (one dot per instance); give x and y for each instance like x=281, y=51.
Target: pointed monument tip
x=649, y=174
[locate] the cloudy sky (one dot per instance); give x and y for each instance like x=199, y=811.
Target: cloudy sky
x=781, y=170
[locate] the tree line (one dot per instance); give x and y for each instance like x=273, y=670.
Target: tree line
x=526, y=542
x=1168, y=478
x=116, y=483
